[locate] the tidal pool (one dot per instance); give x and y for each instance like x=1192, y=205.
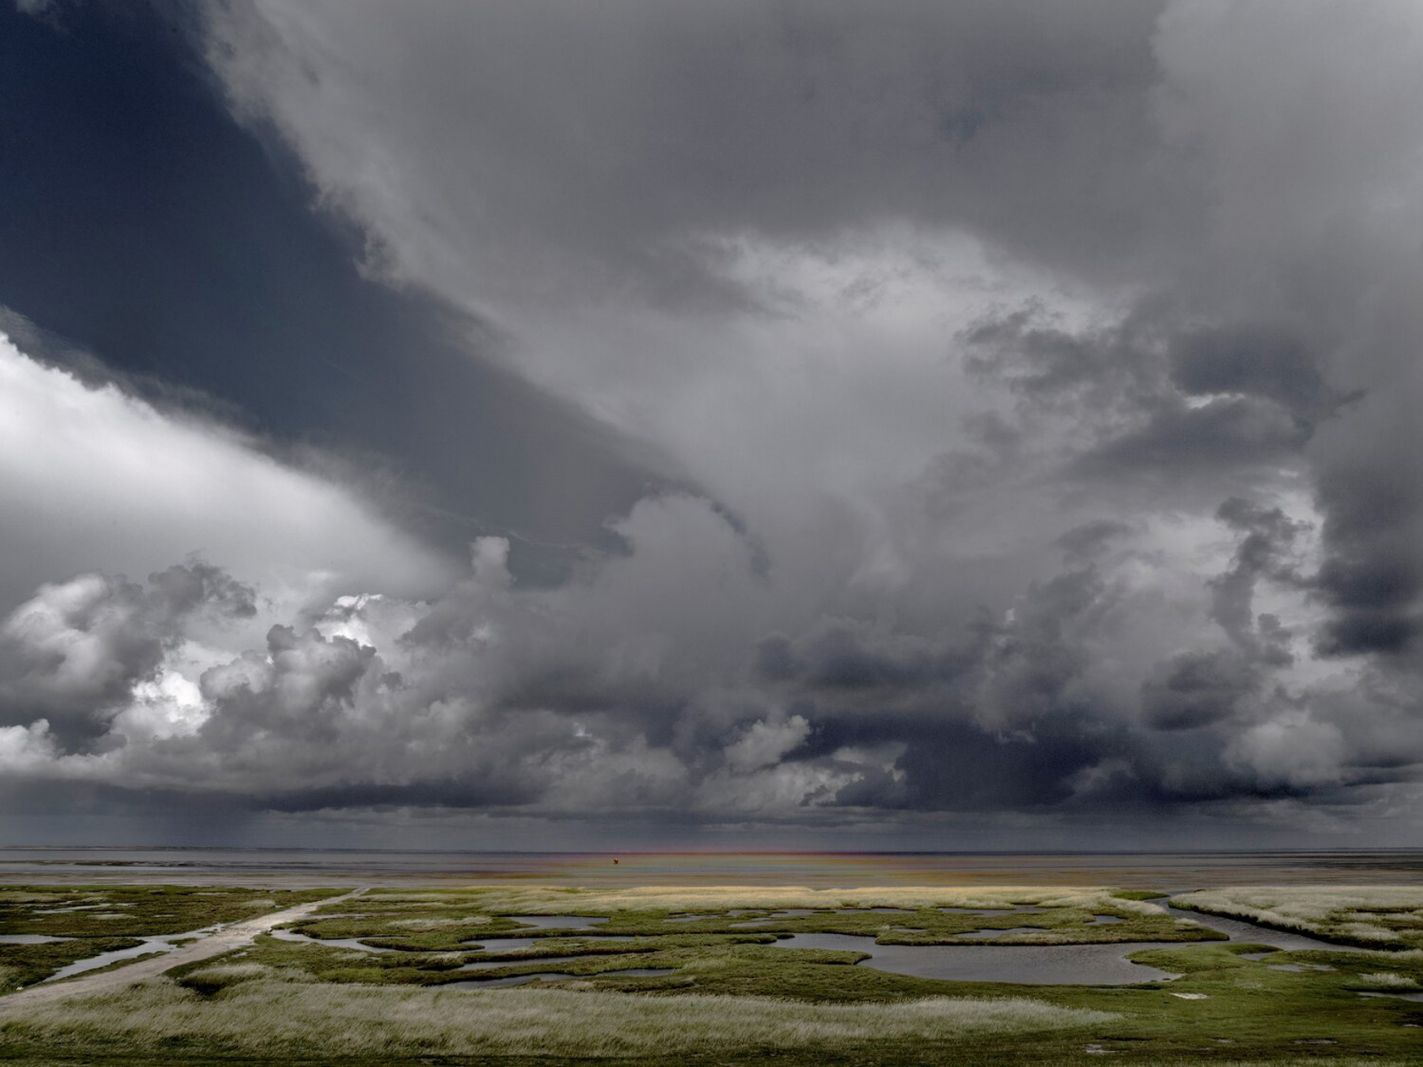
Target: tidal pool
x=1024, y=964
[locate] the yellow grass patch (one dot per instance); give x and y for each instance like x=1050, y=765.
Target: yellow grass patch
x=342, y=1020
x=1363, y=914
x=549, y=900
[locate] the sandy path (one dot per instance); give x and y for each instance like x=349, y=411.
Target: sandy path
x=215, y=944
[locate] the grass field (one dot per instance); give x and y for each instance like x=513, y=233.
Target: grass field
x=730, y=996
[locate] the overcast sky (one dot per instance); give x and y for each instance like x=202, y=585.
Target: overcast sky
x=538, y=423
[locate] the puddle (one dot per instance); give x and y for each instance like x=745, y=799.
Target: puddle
x=560, y=922
x=30, y=939
x=1299, y=968
x=1104, y=920
x=989, y=934
x=1024, y=964
x=687, y=918
x=1415, y=997
x=327, y=942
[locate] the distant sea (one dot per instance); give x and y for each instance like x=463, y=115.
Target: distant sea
x=1167, y=871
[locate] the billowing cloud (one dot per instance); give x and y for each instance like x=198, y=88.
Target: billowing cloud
x=89, y=474
x=1039, y=388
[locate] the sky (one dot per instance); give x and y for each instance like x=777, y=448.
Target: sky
x=742, y=424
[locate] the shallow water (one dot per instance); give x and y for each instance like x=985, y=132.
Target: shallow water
x=80, y=907
x=517, y=979
x=1104, y=920
x=1104, y=964
x=327, y=867
x=30, y=939
x=560, y=922
x=990, y=933
x=1024, y=964
x=502, y=944
x=328, y=942
x=492, y=965
x=785, y=913
x=1239, y=930
x=1416, y=997
x=148, y=945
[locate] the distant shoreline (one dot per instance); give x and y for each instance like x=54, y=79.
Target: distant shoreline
x=337, y=867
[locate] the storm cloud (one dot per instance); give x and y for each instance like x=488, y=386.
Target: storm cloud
x=981, y=412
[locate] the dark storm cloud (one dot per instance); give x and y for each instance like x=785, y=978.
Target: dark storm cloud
x=1374, y=575
x=1197, y=689
x=907, y=291
x=1081, y=543
x=1157, y=398
x=1271, y=364
x=142, y=223
x=1265, y=551
x=609, y=137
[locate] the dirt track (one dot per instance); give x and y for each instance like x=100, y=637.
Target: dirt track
x=215, y=944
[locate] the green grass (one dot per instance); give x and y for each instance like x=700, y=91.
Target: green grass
x=732, y=996
x=104, y=918
x=24, y=965
x=1388, y=917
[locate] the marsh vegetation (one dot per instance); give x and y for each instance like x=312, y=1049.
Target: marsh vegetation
x=419, y=976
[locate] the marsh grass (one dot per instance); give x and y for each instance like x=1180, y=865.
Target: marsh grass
x=455, y=919
x=551, y=900
x=137, y=910
x=24, y=965
x=266, y=1014
x=1387, y=917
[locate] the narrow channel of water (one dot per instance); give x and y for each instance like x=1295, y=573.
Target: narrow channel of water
x=557, y=976
x=31, y=939
x=328, y=942
x=1240, y=930
x=146, y=946
x=560, y=922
